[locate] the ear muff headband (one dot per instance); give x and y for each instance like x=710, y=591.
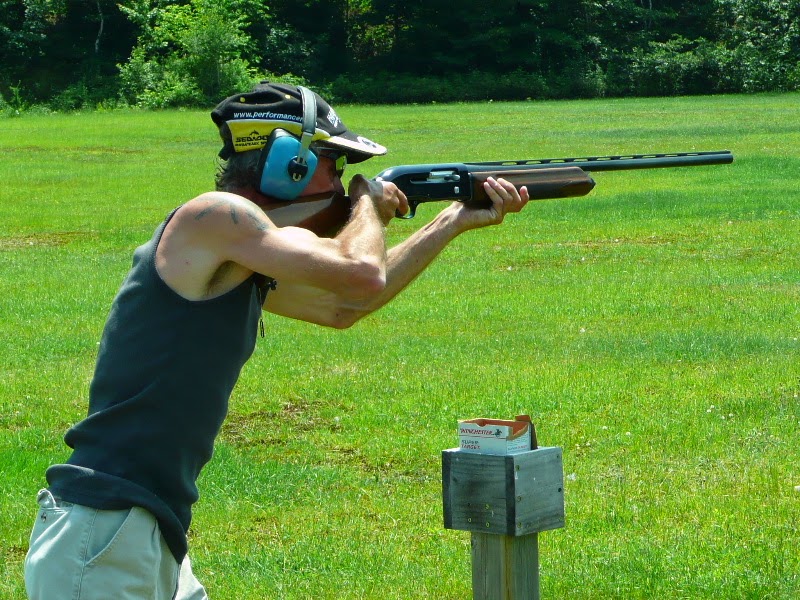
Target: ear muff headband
x=297, y=168
x=287, y=163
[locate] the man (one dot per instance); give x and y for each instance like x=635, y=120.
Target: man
x=113, y=521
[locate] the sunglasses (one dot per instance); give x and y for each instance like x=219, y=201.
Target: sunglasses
x=339, y=159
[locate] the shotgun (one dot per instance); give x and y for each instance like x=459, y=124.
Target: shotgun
x=545, y=178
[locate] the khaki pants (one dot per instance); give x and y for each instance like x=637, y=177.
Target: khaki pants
x=82, y=553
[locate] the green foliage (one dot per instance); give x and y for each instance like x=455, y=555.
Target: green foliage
x=393, y=88
x=20, y=33
x=186, y=54
x=545, y=49
x=763, y=39
x=53, y=45
x=676, y=67
x=15, y=105
x=159, y=53
x=86, y=94
x=287, y=52
x=409, y=89
x=309, y=38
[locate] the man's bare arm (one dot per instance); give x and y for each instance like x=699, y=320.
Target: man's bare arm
x=404, y=262
x=218, y=239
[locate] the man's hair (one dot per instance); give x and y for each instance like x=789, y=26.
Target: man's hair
x=239, y=171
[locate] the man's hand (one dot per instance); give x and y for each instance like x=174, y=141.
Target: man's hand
x=385, y=196
x=505, y=199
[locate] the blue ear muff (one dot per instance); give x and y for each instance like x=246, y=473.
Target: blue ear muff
x=285, y=172
x=287, y=163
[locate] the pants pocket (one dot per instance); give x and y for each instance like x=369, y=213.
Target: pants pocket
x=107, y=526
x=131, y=561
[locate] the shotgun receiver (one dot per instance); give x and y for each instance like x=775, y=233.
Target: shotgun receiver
x=544, y=177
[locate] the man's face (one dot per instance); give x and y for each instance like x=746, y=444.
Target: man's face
x=327, y=177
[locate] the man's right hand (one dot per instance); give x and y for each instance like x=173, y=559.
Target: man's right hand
x=387, y=198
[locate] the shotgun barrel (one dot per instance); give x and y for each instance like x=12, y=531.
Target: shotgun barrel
x=614, y=163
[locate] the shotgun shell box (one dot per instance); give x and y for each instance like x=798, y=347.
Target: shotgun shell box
x=495, y=436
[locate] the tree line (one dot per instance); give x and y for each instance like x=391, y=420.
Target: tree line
x=69, y=54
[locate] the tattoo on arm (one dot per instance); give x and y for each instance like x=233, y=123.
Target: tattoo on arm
x=253, y=214
x=256, y=218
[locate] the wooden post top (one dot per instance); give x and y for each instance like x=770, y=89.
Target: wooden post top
x=512, y=494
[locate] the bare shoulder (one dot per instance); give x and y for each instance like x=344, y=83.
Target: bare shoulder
x=222, y=210
x=194, y=254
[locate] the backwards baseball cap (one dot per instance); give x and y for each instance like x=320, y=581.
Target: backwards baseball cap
x=252, y=116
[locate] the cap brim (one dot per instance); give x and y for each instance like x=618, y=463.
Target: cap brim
x=357, y=147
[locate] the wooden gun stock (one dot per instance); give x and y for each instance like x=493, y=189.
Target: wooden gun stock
x=323, y=214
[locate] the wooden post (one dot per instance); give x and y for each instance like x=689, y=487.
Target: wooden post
x=505, y=566
x=504, y=501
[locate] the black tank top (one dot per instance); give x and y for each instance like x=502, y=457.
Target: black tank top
x=165, y=370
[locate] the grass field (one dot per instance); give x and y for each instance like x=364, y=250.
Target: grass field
x=652, y=330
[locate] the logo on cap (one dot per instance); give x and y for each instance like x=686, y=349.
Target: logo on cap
x=366, y=142
x=333, y=118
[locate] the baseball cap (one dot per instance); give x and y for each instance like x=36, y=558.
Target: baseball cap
x=252, y=116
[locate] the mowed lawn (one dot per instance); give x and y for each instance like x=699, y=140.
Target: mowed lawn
x=651, y=329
